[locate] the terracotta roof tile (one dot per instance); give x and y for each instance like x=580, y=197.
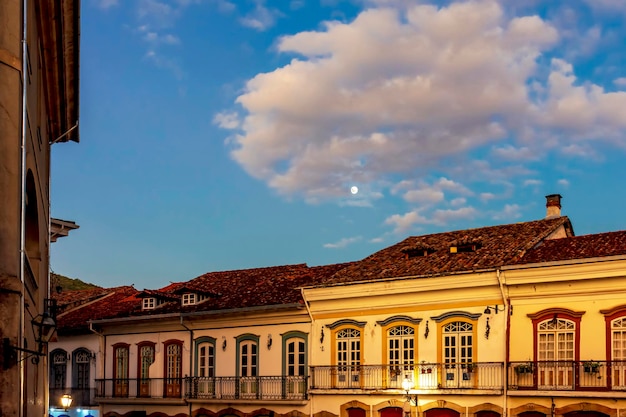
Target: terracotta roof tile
x=579, y=247
x=116, y=302
x=429, y=255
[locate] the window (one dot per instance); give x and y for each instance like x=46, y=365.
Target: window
x=80, y=369
x=400, y=353
x=457, y=350
x=149, y=303
x=173, y=367
x=618, y=352
x=557, y=339
x=146, y=358
x=205, y=367
x=58, y=369
x=348, y=356
x=248, y=360
x=295, y=364
x=120, y=369
x=189, y=299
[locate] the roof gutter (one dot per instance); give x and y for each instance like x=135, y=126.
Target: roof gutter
x=578, y=261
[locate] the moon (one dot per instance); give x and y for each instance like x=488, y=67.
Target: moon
x=354, y=189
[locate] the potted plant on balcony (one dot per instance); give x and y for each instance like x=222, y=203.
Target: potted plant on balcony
x=524, y=368
x=591, y=367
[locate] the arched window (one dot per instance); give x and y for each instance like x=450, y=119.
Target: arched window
x=557, y=340
x=173, y=367
x=120, y=369
x=618, y=353
x=295, y=364
x=248, y=365
x=81, y=363
x=58, y=369
x=146, y=358
x=205, y=367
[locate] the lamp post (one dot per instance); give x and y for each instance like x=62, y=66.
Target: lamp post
x=411, y=399
x=43, y=328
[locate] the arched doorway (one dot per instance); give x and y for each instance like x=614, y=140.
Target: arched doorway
x=441, y=412
x=391, y=412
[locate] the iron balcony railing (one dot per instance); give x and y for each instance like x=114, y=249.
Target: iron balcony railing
x=247, y=388
x=588, y=375
x=140, y=388
x=81, y=397
x=423, y=376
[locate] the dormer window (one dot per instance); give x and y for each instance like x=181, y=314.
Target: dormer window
x=149, y=303
x=465, y=248
x=189, y=299
x=417, y=251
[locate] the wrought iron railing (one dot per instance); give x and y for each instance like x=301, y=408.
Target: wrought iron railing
x=247, y=388
x=140, y=388
x=567, y=375
x=423, y=376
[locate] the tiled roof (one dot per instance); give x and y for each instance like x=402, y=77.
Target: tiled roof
x=430, y=255
x=579, y=247
x=116, y=302
x=277, y=285
x=67, y=300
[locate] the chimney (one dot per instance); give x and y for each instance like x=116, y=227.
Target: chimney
x=553, y=206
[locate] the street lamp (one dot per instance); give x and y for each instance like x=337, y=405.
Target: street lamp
x=43, y=327
x=407, y=385
x=66, y=401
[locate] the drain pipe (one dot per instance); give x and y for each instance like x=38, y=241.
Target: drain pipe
x=190, y=352
x=20, y=332
x=306, y=304
x=102, y=349
x=507, y=311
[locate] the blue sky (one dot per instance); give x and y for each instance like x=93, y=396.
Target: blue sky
x=222, y=134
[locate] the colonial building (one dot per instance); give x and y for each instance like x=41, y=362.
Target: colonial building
x=515, y=320
x=39, y=43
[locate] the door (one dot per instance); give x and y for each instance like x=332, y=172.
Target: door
x=120, y=376
x=618, y=353
x=173, y=364
x=555, y=354
x=296, y=368
x=458, y=351
x=400, y=355
x=146, y=358
x=248, y=384
x=348, y=358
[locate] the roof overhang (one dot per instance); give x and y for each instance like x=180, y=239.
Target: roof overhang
x=61, y=228
x=59, y=27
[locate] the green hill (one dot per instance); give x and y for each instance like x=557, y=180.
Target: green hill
x=62, y=283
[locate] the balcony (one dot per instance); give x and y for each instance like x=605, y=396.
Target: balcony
x=286, y=388
x=81, y=397
x=142, y=388
x=567, y=375
x=247, y=388
x=425, y=376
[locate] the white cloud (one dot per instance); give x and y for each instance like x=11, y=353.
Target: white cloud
x=508, y=213
x=485, y=197
x=403, y=222
x=532, y=183
x=227, y=120
x=621, y=81
x=443, y=217
x=387, y=93
x=342, y=243
x=563, y=183
x=261, y=18
x=425, y=195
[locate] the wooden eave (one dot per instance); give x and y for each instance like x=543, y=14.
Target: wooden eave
x=59, y=28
